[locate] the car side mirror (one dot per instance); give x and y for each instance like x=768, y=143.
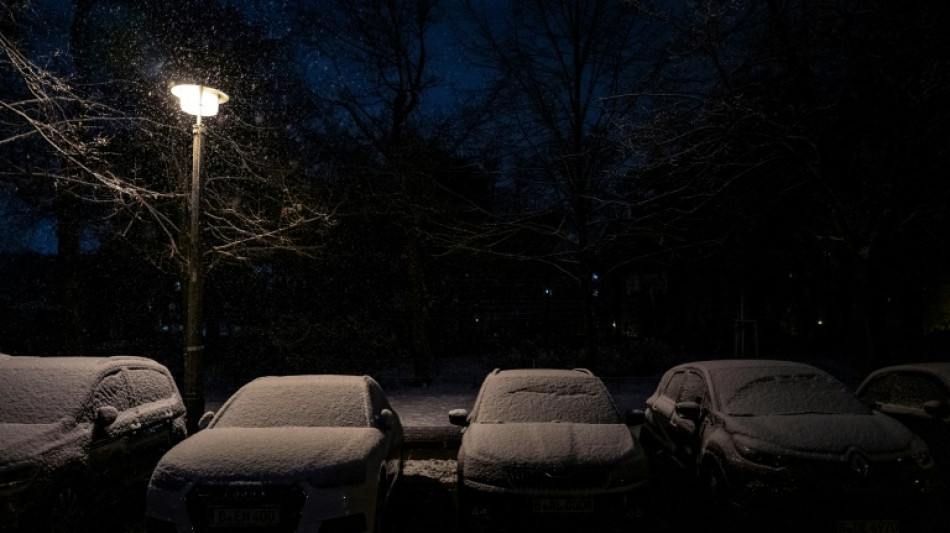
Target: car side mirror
x=106, y=416
x=688, y=410
x=636, y=417
x=205, y=420
x=937, y=408
x=458, y=417
x=386, y=420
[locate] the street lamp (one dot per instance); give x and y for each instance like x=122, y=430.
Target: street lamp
x=200, y=101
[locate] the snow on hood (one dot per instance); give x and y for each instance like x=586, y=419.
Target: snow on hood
x=556, y=443
x=825, y=433
x=283, y=454
x=543, y=396
x=47, y=446
x=20, y=441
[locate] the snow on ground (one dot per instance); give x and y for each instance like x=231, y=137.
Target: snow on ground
x=441, y=470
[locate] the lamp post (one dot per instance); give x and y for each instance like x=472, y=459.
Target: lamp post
x=200, y=101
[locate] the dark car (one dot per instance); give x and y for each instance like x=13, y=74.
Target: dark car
x=284, y=453
x=783, y=441
x=919, y=396
x=545, y=443
x=79, y=434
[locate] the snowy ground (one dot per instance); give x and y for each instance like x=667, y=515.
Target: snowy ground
x=441, y=470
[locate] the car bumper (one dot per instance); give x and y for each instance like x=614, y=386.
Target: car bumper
x=350, y=509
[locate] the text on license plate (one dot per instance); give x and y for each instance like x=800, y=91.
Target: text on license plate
x=563, y=505
x=260, y=516
x=868, y=526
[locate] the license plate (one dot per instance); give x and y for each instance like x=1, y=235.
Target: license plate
x=868, y=526
x=256, y=517
x=563, y=505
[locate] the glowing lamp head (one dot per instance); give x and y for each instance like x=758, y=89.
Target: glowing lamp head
x=199, y=100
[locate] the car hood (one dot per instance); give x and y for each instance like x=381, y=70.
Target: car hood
x=564, y=444
x=282, y=454
x=19, y=442
x=825, y=433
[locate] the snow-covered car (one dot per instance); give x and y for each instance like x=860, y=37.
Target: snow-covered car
x=547, y=444
x=918, y=395
x=284, y=453
x=81, y=434
x=781, y=440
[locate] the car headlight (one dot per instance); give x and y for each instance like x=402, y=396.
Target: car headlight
x=923, y=459
x=12, y=477
x=760, y=453
x=168, y=480
x=340, y=475
x=919, y=454
x=488, y=472
x=629, y=473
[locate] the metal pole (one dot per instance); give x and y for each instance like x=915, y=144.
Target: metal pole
x=194, y=287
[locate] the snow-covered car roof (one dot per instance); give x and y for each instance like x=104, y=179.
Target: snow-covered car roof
x=45, y=389
x=545, y=395
x=759, y=386
x=938, y=370
x=304, y=400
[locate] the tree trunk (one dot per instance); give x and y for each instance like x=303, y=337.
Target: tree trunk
x=72, y=293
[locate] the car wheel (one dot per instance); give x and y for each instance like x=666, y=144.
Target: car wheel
x=464, y=515
x=718, y=496
x=68, y=508
x=714, y=481
x=381, y=492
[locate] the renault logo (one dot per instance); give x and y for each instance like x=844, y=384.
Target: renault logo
x=860, y=464
x=244, y=493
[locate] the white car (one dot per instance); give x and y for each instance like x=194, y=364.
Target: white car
x=547, y=445
x=79, y=437
x=290, y=453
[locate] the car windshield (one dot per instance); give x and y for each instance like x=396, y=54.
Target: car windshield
x=778, y=391
x=296, y=404
x=545, y=399
x=39, y=396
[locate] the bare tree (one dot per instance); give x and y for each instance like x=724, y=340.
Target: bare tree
x=375, y=58
x=801, y=108
x=106, y=142
x=560, y=69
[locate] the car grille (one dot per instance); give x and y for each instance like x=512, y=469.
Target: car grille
x=554, y=479
x=204, y=501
